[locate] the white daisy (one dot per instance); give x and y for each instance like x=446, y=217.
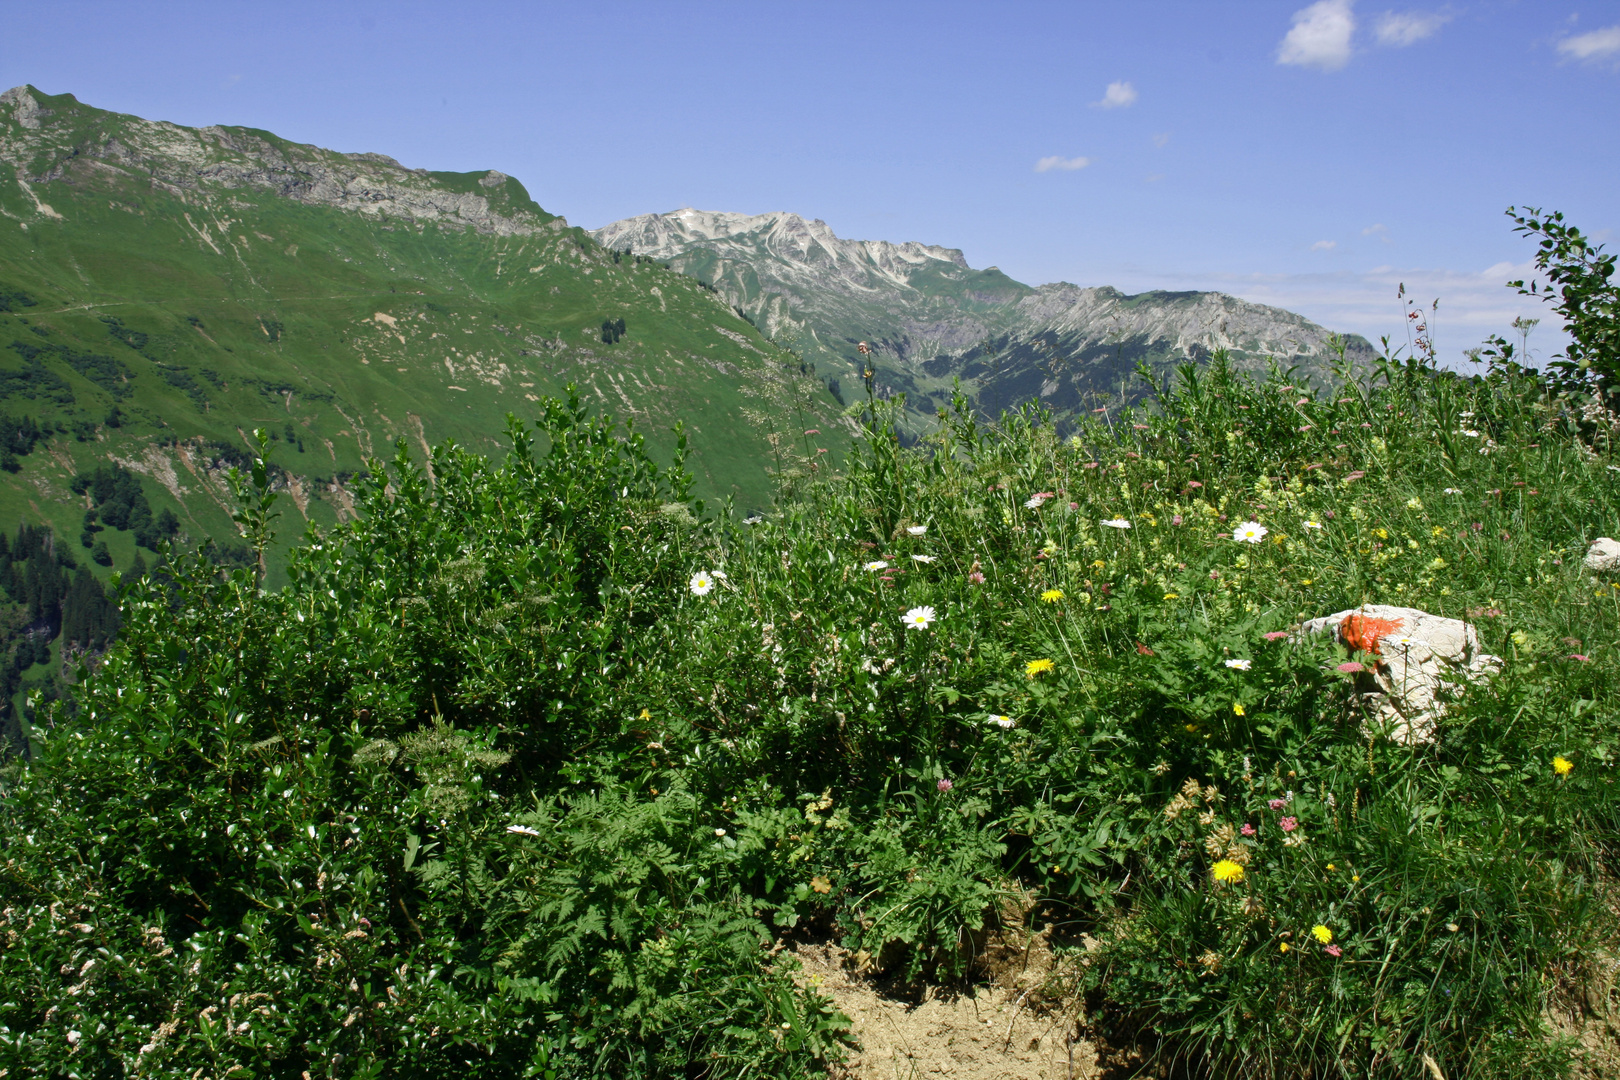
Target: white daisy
x=1313, y=524
x=522, y=830
x=1117, y=523
x=1241, y=665
x=1470, y=432
x=918, y=618
x=877, y=564
x=702, y=583
x=1250, y=532
x=922, y=558
x=1453, y=491
x=1002, y=722
x=916, y=530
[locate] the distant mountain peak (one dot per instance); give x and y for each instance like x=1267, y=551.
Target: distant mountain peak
x=784, y=234
x=929, y=318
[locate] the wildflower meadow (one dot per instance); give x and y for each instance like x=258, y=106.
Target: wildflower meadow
x=533, y=769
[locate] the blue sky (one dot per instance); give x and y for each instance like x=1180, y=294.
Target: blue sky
x=1311, y=156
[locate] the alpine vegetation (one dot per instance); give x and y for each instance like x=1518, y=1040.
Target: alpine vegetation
x=541, y=767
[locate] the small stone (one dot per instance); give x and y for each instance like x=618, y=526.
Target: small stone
x=1416, y=652
x=1604, y=554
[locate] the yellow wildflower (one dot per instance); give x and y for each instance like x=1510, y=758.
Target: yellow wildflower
x=1171, y=596
x=1226, y=871
x=1035, y=667
x=1282, y=947
x=1562, y=765
x=1321, y=933
x=1238, y=708
x=1052, y=596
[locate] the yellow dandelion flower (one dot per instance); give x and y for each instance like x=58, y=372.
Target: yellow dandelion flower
x=1562, y=765
x=1238, y=708
x=1226, y=871
x=1172, y=596
x=1035, y=667
x=1322, y=933
x=1282, y=947
x=1052, y=596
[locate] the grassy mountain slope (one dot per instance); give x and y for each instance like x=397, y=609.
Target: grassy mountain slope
x=930, y=318
x=203, y=282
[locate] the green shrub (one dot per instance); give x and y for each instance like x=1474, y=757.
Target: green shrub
x=530, y=768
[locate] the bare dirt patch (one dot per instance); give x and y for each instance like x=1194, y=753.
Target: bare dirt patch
x=997, y=1028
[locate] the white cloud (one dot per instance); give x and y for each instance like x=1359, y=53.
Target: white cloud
x=1380, y=230
x=1062, y=164
x=1320, y=36
x=1401, y=29
x=1593, y=45
x=1117, y=96
x=1324, y=245
x=1162, y=139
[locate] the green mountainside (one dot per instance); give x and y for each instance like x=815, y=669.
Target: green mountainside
x=929, y=318
x=164, y=290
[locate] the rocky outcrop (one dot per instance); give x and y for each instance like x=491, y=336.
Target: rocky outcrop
x=1417, y=658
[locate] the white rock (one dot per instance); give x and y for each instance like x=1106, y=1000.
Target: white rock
x=1603, y=555
x=1416, y=653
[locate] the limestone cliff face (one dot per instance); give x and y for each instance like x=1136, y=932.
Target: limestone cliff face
x=48, y=138
x=930, y=318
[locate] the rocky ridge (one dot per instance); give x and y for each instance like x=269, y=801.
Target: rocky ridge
x=199, y=161
x=930, y=318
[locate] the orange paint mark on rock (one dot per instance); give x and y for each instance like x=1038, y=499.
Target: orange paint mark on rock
x=1362, y=632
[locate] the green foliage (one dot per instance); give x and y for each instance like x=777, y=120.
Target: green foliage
x=1581, y=288
x=118, y=501
x=348, y=826
x=531, y=766
x=106, y=372
x=14, y=299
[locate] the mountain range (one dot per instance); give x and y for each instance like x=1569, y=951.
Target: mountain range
x=930, y=319
x=166, y=289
